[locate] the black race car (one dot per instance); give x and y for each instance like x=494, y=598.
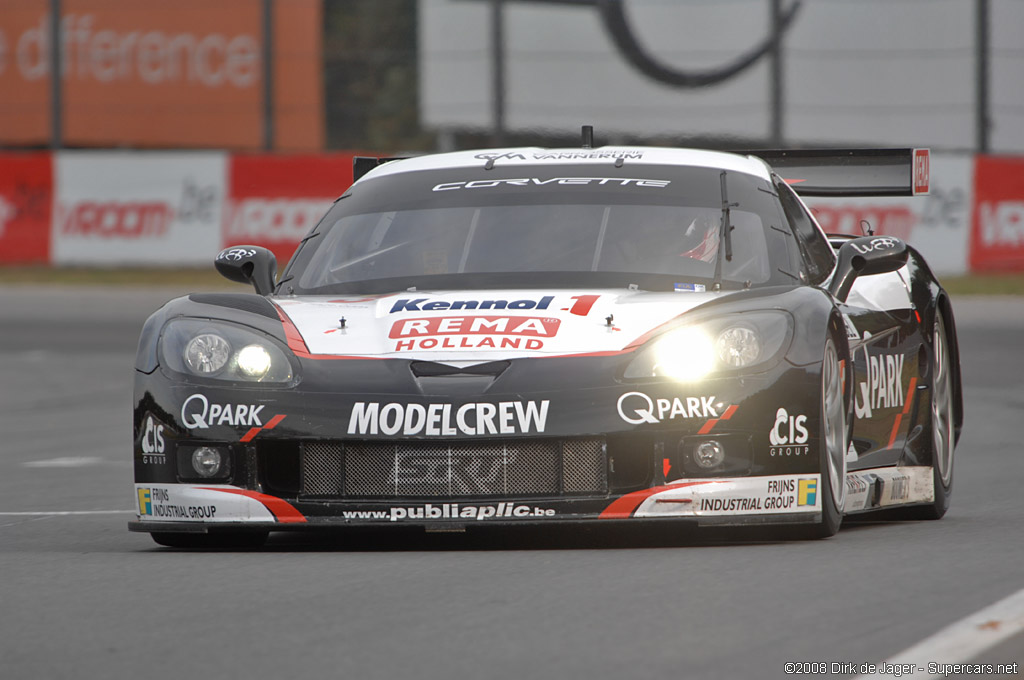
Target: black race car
x=548, y=336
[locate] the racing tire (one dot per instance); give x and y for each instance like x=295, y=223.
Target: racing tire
x=941, y=422
x=835, y=437
x=225, y=541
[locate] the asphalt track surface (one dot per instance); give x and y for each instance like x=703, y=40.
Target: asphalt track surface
x=81, y=597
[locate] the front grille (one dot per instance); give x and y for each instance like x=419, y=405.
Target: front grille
x=454, y=469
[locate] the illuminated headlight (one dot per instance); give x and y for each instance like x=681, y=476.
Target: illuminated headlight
x=223, y=351
x=734, y=341
x=254, y=361
x=685, y=354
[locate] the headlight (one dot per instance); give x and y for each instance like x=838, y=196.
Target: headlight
x=745, y=340
x=207, y=354
x=223, y=351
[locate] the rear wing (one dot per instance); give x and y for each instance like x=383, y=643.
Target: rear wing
x=363, y=164
x=851, y=172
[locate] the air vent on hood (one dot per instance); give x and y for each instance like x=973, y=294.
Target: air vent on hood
x=431, y=369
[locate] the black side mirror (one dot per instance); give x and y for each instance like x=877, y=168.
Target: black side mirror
x=248, y=264
x=863, y=257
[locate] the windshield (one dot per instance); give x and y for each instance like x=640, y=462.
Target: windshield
x=523, y=231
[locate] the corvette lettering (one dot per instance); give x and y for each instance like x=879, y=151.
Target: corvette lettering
x=636, y=408
x=198, y=413
x=563, y=181
x=423, y=305
x=447, y=420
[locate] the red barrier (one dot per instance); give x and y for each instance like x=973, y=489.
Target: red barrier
x=997, y=229
x=26, y=194
x=273, y=201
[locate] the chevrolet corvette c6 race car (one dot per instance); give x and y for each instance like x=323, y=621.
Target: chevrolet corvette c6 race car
x=552, y=336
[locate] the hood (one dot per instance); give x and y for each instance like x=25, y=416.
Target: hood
x=462, y=328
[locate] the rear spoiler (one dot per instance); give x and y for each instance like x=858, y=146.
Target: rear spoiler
x=851, y=172
x=363, y=164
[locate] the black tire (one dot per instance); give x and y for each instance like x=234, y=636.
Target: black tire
x=225, y=541
x=834, y=439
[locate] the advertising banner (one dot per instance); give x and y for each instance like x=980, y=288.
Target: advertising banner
x=274, y=201
x=26, y=192
x=937, y=224
x=138, y=208
x=162, y=74
x=997, y=234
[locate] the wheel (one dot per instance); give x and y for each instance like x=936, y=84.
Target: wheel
x=230, y=541
x=834, y=441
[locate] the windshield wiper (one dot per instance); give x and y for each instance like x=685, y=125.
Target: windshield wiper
x=725, y=236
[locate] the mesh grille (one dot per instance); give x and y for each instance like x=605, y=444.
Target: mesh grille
x=583, y=467
x=322, y=469
x=456, y=469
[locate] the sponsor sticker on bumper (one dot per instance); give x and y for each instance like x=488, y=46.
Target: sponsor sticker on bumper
x=775, y=495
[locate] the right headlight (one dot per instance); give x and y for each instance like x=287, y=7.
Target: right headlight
x=223, y=351
x=739, y=341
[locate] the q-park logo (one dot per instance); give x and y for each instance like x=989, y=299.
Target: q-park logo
x=197, y=413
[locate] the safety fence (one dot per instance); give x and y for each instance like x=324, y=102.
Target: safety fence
x=179, y=208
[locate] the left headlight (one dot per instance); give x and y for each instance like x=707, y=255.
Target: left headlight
x=223, y=351
x=742, y=341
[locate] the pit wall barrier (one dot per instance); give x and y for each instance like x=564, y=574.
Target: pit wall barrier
x=179, y=208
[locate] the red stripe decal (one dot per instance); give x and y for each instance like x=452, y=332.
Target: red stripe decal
x=906, y=410
x=274, y=422
x=624, y=506
x=292, y=334
x=283, y=511
x=253, y=431
x=714, y=421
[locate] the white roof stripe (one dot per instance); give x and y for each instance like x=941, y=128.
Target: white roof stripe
x=603, y=156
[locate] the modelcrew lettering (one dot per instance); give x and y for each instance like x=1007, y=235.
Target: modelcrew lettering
x=422, y=304
x=447, y=420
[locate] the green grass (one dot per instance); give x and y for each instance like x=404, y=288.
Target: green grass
x=206, y=278
x=985, y=284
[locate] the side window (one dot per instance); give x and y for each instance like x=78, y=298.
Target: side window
x=819, y=258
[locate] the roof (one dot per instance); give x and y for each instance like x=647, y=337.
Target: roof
x=536, y=156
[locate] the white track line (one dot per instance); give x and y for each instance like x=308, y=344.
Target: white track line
x=960, y=642
x=50, y=513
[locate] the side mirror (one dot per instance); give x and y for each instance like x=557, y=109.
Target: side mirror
x=248, y=264
x=863, y=257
